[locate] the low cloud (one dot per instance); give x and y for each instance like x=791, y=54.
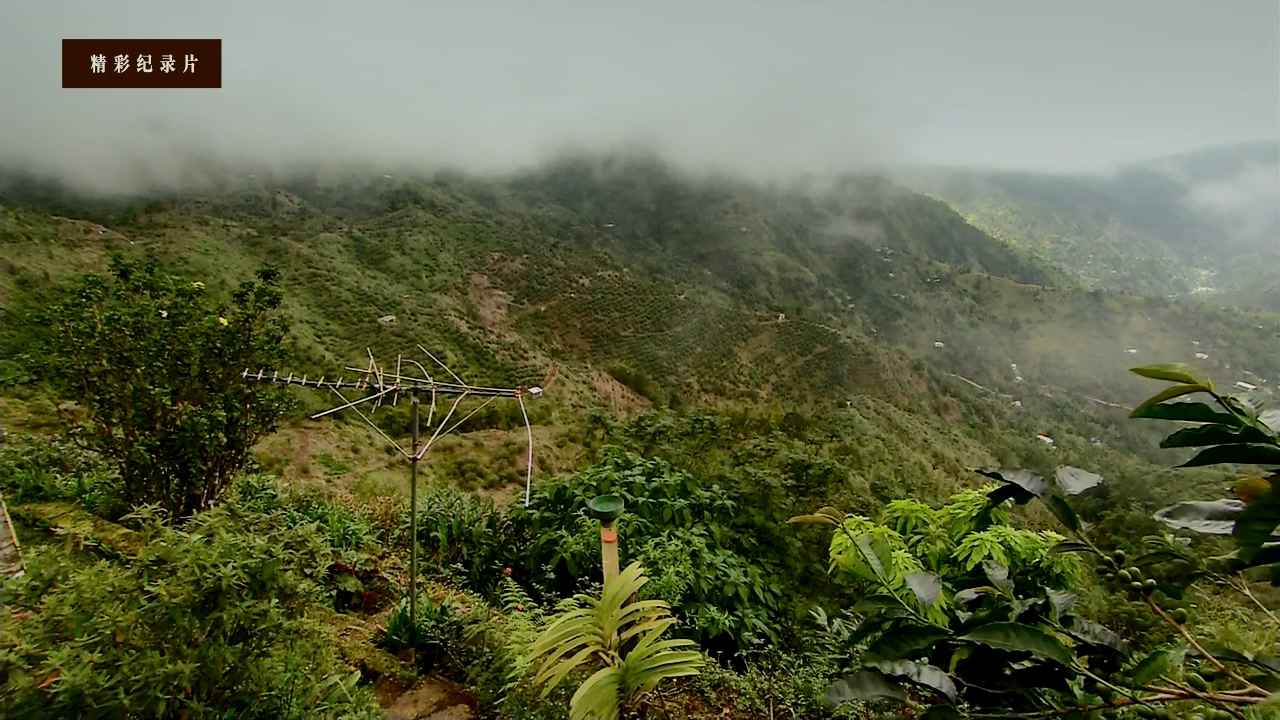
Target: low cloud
x=1246, y=204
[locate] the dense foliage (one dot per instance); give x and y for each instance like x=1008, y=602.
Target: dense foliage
x=154, y=366
x=728, y=357
x=201, y=622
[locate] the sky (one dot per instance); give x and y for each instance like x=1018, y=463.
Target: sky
x=762, y=87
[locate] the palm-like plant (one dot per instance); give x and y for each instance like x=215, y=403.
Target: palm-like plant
x=625, y=636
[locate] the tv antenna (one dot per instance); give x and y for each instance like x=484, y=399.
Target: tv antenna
x=381, y=387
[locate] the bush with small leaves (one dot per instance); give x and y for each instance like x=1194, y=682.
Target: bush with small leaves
x=153, y=364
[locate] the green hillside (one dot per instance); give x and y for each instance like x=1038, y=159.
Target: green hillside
x=1198, y=225
x=726, y=355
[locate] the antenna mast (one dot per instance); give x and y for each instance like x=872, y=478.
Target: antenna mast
x=379, y=386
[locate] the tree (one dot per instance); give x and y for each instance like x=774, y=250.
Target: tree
x=153, y=364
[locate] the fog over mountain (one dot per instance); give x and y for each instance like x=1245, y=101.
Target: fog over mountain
x=762, y=88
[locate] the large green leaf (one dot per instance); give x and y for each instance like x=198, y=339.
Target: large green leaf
x=1095, y=634
x=919, y=673
x=1164, y=396
x=1173, y=372
x=1214, y=434
x=926, y=586
x=1063, y=511
x=877, y=554
x=1073, y=480
x=998, y=575
x=1019, y=637
x=1153, y=666
x=822, y=516
x=1251, y=454
x=865, y=685
x=1070, y=546
x=906, y=641
x=597, y=697
x=1197, y=412
x=1030, y=482
x=1211, y=517
x=1060, y=602
x=652, y=661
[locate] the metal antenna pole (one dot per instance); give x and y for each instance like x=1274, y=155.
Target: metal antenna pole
x=413, y=526
x=377, y=385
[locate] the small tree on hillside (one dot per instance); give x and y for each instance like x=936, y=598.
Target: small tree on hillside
x=154, y=365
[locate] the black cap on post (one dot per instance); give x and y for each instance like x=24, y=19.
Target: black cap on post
x=606, y=508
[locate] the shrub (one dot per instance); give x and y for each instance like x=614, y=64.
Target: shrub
x=154, y=366
x=438, y=629
x=205, y=622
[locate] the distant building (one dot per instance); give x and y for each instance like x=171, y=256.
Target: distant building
x=1202, y=356
x=938, y=344
x=1045, y=439
x=1249, y=387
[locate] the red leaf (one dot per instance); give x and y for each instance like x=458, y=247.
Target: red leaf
x=49, y=680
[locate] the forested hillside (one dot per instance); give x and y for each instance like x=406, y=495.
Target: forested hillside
x=1199, y=225
x=726, y=356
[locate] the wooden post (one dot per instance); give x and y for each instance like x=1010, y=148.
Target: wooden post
x=609, y=550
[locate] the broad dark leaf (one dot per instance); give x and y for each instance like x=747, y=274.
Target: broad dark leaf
x=1070, y=546
x=1173, y=372
x=1152, y=667
x=877, y=554
x=1073, y=480
x=1061, y=602
x=1025, y=479
x=998, y=575
x=865, y=685
x=1008, y=492
x=964, y=597
x=1187, y=412
x=877, y=623
x=1063, y=512
x=1157, y=556
x=1019, y=637
x=1255, y=454
x=814, y=519
x=926, y=586
x=1216, y=517
x=1206, y=435
x=907, y=641
x=1095, y=634
x=927, y=675
x=1021, y=605
x=1268, y=554
x=1164, y=396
